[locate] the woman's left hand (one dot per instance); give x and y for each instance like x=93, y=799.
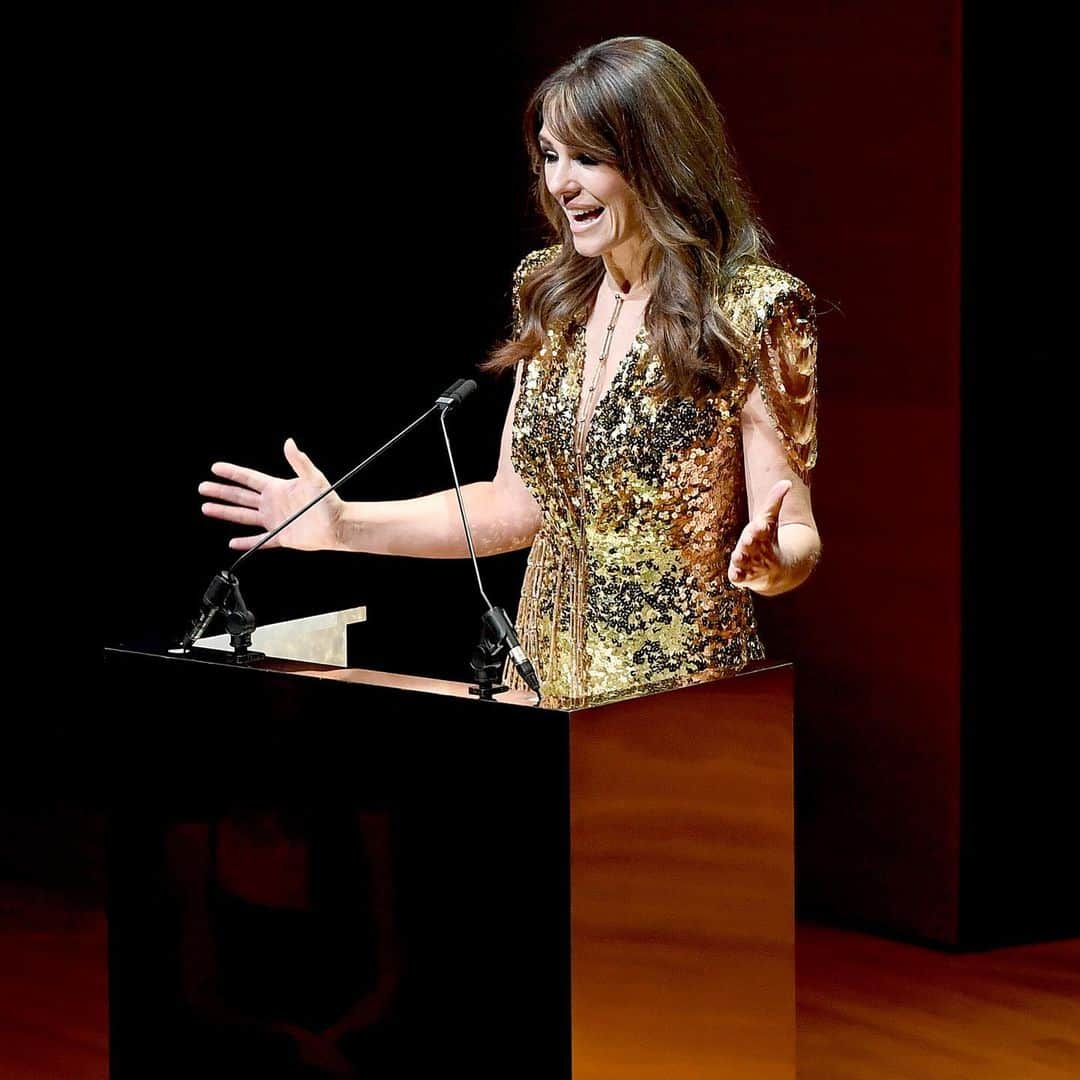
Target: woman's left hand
x=757, y=561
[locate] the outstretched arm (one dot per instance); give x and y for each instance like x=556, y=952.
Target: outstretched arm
x=502, y=512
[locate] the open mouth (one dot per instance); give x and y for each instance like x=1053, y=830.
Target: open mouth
x=583, y=217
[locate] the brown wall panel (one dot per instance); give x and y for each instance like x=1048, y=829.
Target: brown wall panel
x=846, y=118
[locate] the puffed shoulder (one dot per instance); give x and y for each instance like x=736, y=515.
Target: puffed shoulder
x=775, y=315
x=533, y=261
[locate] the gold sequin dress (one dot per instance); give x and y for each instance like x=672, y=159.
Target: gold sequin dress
x=626, y=588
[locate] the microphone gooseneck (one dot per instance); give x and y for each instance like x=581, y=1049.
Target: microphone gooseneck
x=223, y=593
x=499, y=634
x=450, y=398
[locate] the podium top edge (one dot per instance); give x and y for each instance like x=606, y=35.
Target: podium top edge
x=428, y=685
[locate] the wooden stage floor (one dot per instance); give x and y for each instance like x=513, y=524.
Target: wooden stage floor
x=868, y=1008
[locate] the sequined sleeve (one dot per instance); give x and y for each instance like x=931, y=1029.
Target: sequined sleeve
x=527, y=265
x=783, y=362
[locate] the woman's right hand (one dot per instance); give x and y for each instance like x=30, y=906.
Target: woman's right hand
x=264, y=502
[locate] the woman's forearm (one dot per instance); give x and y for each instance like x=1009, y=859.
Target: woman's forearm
x=430, y=526
x=800, y=546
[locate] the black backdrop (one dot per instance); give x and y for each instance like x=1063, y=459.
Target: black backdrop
x=315, y=237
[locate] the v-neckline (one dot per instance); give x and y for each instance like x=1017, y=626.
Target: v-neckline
x=579, y=346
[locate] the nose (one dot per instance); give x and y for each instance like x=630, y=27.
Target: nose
x=561, y=181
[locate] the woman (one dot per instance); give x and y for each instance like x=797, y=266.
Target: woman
x=665, y=395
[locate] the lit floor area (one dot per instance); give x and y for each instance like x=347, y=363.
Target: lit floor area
x=868, y=1008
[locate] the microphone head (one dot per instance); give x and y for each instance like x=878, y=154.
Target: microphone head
x=455, y=394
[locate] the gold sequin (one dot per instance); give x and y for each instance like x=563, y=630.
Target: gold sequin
x=626, y=587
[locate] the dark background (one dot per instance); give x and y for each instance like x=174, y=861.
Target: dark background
x=310, y=231
x=319, y=245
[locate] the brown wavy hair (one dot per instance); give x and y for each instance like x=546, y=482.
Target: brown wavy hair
x=637, y=104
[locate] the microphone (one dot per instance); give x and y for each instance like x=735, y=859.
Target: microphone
x=223, y=594
x=455, y=394
x=217, y=593
x=498, y=631
x=500, y=622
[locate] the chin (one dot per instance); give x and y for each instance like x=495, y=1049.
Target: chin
x=588, y=247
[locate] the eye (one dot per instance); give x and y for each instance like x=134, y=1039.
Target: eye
x=549, y=157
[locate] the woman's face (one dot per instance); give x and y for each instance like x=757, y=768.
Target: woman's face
x=598, y=202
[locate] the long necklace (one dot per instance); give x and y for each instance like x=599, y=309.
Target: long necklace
x=589, y=403
x=578, y=576
x=578, y=583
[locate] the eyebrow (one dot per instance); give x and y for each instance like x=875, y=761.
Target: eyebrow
x=547, y=140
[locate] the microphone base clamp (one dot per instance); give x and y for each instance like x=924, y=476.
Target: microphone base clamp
x=488, y=661
x=223, y=595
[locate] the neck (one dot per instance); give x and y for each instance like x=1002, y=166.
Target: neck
x=624, y=272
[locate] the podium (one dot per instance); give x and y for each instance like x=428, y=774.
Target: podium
x=587, y=893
